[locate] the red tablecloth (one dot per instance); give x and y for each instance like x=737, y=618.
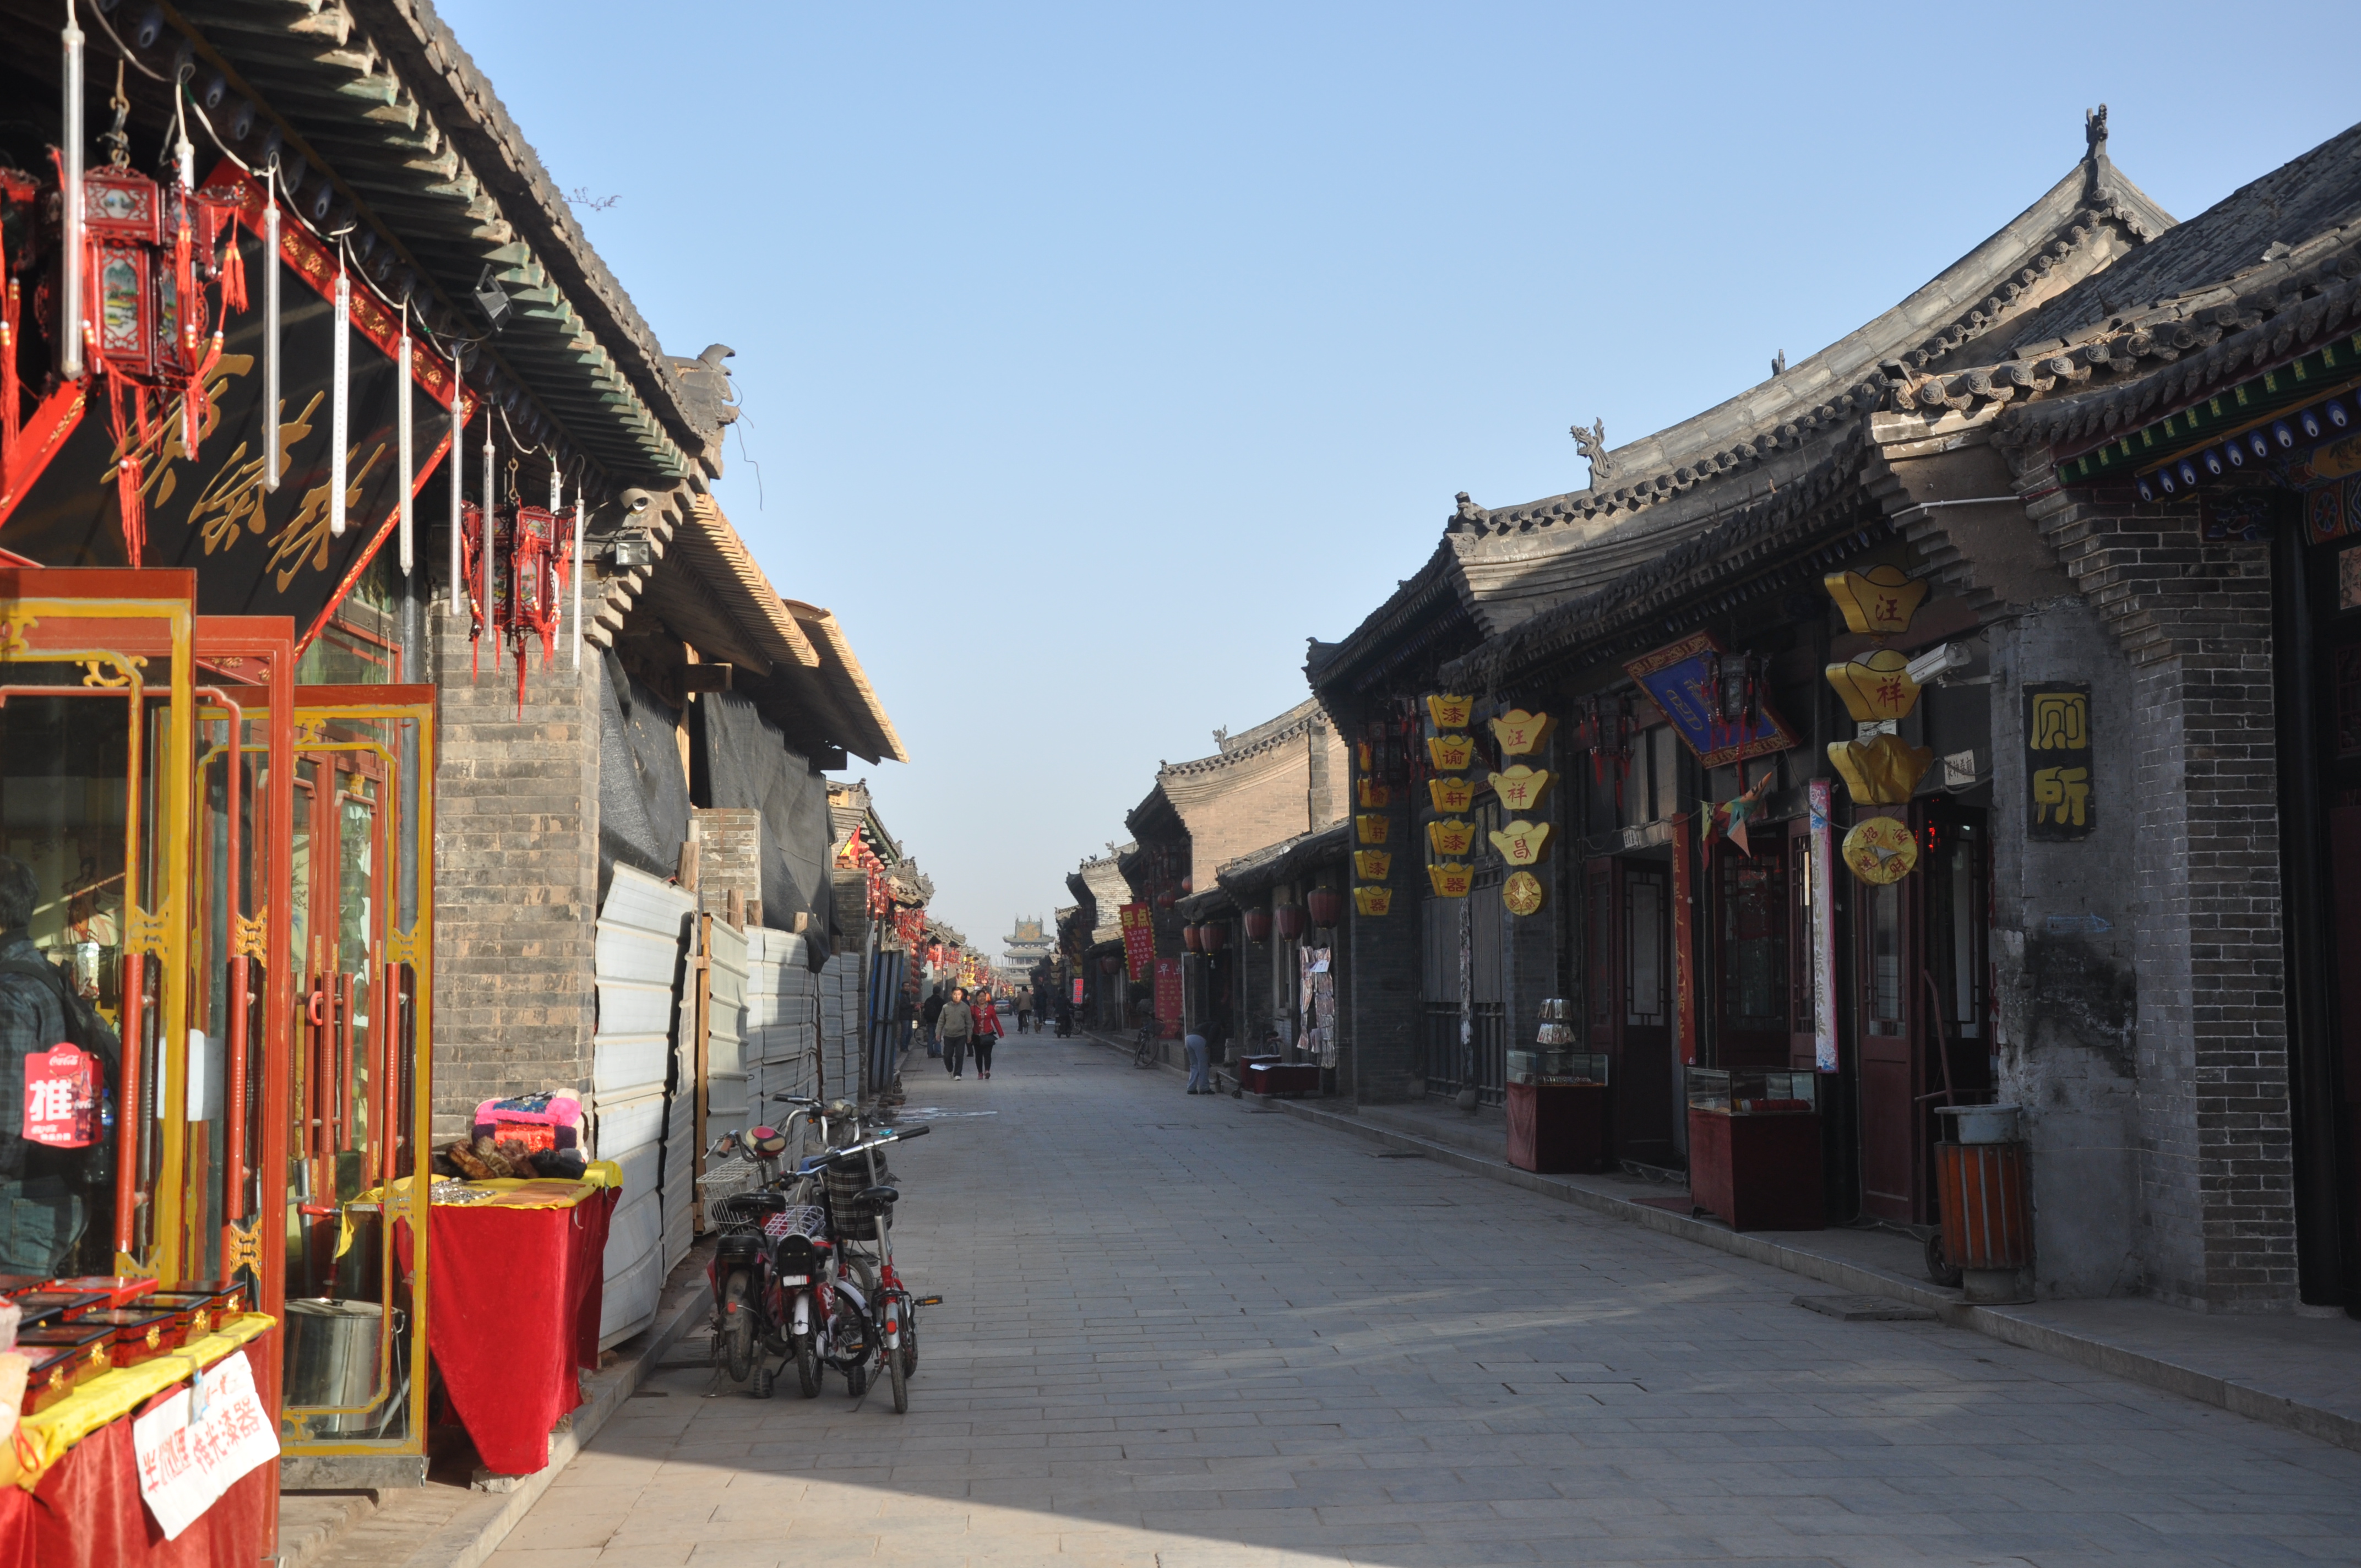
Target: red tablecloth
x=87, y=1513
x=513, y=1308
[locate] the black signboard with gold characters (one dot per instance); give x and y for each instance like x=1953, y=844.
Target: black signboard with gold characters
x=2062, y=803
x=257, y=552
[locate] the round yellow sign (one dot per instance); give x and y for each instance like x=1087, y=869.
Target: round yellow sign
x=1881, y=849
x=1522, y=892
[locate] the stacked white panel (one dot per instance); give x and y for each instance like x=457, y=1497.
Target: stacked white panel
x=726, y=1076
x=640, y=930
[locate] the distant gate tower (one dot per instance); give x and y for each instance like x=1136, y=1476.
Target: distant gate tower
x=1028, y=945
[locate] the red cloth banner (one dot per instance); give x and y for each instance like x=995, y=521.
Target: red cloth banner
x=512, y=1311
x=1167, y=997
x=87, y=1512
x=1138, y=939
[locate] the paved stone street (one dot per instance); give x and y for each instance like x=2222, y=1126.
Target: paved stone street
x=1183, y=1333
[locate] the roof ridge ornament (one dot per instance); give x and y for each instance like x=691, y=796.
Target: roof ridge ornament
x=2098, y=185
x=1593, y=446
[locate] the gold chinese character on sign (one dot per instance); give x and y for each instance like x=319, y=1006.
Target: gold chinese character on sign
x=2060, y=771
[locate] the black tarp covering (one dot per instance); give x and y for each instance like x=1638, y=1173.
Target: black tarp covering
x=642, y=795
x=747, y=763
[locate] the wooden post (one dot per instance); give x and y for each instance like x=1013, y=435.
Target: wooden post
x=704, y=1042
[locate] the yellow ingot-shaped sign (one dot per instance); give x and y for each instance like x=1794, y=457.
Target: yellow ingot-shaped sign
x=1878, y=602
x=1520, y=732
x=1450, y=712
x=1452, y=836
x=1879, y=849
x=1875, y=685
x=1521, y=788
x=1371, y=865
x=1880, y=771
x=1373, y=827
x=1373, y=900
x=1375, y=796
x=1451, y=753
x=1451, y=879
x=1520, y=843
x=1452, y=795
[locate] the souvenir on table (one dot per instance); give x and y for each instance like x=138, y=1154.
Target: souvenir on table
x=54, y=1371
x=136, y=1334
x=120, y=1290
x=42, y=1306
x=91, y=1343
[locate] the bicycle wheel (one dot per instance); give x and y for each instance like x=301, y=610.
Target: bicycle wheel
x=909, y=1340
x=807, y=1366
x=901, y=1380
x=738, y=1326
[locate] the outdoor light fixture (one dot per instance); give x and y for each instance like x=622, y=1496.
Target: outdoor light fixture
x=2282, y=433
x=2212, y=461
x=492, y=300
x=2336, y=415
x=2146, y=490
x=2256, y=444
x=2164, y=478
x=2311, y=423
x=2189, y=473
x=2235, y=453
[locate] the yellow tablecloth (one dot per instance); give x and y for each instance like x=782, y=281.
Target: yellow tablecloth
x=111, y=1396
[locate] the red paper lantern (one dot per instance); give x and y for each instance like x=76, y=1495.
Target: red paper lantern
x=1291, y=921
x=1167, y=899
x=1258, y=924
x=1188, y=938
x=1327, y=905
x=1188, y=885
x=1214, y=936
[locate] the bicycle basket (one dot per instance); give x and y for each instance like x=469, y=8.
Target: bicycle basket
x=728, y=1186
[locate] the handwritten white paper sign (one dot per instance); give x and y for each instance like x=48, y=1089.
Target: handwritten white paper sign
x=193, y=1447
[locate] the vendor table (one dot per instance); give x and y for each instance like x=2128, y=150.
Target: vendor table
x=78, y=1503
x=513, y=1310
x=1557, y=1126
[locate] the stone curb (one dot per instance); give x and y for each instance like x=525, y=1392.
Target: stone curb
x=2082, y=1350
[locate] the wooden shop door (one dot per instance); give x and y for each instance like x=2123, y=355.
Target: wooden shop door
x=1629, y=1011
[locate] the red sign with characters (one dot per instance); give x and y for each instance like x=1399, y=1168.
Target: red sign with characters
x=1138, y=939
x=61, y=1098
x=1167, y=997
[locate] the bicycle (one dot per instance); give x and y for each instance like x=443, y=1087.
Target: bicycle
x=1145, y=1053
x=885, y=1329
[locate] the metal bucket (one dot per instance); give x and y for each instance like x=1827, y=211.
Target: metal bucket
x=332, y=1358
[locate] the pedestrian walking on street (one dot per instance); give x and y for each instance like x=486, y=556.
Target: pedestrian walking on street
x=952, y=1027
x=987, y=1033
x=928, y=1017
x=1024, y=1007
x=1201, y=1057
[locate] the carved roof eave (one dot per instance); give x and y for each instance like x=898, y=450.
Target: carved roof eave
x=2123, y=379
x=1262, y=747
x=1666, y=597
x=2014, y=265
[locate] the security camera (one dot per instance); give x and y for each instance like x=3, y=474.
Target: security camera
x=1937, y=662
x=636, y=502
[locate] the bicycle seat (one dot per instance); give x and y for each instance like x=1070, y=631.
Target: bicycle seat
x=768, y=1203
x=881, y=1195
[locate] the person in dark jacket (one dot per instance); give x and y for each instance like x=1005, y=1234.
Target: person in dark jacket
x=952, y=1027
x=47, y=1194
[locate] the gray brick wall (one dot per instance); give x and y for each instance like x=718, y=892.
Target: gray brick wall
x=516, y=876
x=2216, y=1148
x=729, y=855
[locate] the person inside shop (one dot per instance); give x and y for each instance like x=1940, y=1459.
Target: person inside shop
x=53, y=1181
x=987, y=1030
x=953, y=1026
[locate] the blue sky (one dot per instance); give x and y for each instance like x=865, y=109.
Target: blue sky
x=1095, y=356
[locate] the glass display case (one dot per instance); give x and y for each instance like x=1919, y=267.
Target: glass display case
x=1545, y=1064
x=1754, y=1092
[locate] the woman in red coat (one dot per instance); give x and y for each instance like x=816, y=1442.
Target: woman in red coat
x=987, y=1029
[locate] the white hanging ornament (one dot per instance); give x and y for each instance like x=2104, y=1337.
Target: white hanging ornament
x=272, y=458
x=458, y=485
x=402, y=440
x=340, y=401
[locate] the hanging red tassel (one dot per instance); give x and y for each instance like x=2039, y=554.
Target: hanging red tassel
x=233, y=273
x=129, y=442
x=11, y=415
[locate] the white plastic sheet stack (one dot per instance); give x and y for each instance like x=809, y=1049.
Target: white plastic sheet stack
x=782, y=1037
x=725, y=1057
x=839, y=1025
x=640, y=930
